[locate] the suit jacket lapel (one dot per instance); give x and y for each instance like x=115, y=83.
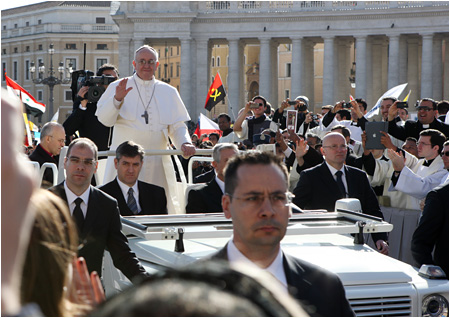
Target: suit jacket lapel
x=92, y=212
x=124, y=209
x=328, y=180
x=351, y=185
x=298, y=286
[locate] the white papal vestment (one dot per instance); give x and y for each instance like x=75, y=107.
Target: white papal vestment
x=166, y=117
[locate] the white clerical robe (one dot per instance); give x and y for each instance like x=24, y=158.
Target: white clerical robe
x=166, y=117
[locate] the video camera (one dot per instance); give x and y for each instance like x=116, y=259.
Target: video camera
x=86, y=78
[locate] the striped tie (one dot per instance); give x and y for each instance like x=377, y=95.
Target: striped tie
x=131, y=202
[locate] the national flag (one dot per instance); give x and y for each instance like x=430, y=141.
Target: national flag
x=28, y=140
x=33, y=107
x=216, y=93
x=394, y=92
x=206, y=126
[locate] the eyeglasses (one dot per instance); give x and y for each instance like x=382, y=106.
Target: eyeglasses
x=336, y=147
x=59, y=140
x=277, y=199
x=423, y=144
x=86, y=162
x=424, y=108
x=444, y=153
x=144, y=62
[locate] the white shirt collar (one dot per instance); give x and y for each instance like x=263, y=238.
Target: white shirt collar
x=143, y=82
x=125, y=189
x=333, y=170
x=220, y=183
x=71, y=197
x=276, y=268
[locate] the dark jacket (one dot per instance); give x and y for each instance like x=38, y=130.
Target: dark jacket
x=42, y=156
x=432, y=231
x=152, y=198
x=319, y=291
x=102, y=230
x=412, y=128
x=208, y=198
x=87, y=124
x=317, y=189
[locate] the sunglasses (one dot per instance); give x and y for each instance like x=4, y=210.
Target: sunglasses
x=424, y=108
x=444, y=153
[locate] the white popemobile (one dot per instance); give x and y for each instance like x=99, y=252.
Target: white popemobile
x=376, y=285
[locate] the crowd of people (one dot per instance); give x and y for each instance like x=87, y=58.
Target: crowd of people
x=320, y=158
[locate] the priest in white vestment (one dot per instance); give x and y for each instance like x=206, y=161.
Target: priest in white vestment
x=148, y=112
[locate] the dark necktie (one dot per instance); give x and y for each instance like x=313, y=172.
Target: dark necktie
x=340, y=184
x=131, y=202
x=78, y=214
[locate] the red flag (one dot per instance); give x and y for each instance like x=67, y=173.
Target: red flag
x=216, y=93
x=33, y=107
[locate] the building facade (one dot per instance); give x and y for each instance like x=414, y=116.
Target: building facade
x=391, y=42
x=70, y=26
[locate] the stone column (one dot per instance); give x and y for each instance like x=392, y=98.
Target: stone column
x=273, y=99
x=403, y=60
x=393, y=71
x=308, y=72
x=202, y=76
x=437, y=68
x=343, y=66
x=427, y=66
x=446, y=66
x=265, y=67
x=413, y=69
x=377, y=69
x=234, y=76
x=360, y=76
x=328, y=71
x=186, y=75
x=297, y=67
x=371, y=100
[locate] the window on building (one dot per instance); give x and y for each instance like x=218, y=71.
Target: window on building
x=100, y=20
x=4, y=51
x=171, y=51
x=40, y=96
x=16, y=50
x=15, y=26
x=3, y=73
x=67, y=95
x=27, y=70
x=27, y=48
x=27, y=24
x=212, y=61
x=73, y=61
x=178, y=70
x=40, y=75
x=15, y=70
x=178, y=50
x=100, y=62
x=288, y=69
x=39, y=21
x=4, y=28
x=286, y=94
x=159, y=72
x=218, y=61
x=71, y=46
x=40, y=47
x=102, y=46
x=171, y=70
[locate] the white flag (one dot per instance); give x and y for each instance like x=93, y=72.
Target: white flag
x=394, y=92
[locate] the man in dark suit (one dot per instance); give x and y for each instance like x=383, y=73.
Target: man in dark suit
x=321, y=186
x=429, y=243
x=256, y=199
x=133, y=196
x=53, y=138
x=208, y=198
x=95, y=212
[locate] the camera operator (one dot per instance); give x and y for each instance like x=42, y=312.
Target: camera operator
x=83, y=117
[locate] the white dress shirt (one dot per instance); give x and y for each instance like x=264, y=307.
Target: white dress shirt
x=276, y=268
x=71, y=197
x=125, y=189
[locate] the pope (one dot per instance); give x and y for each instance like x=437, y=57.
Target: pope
x=148, y=112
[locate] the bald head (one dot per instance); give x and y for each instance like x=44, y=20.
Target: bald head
x=334, y=149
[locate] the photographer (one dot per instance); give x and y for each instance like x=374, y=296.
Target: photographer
x=301, y=105
x=83, y=117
